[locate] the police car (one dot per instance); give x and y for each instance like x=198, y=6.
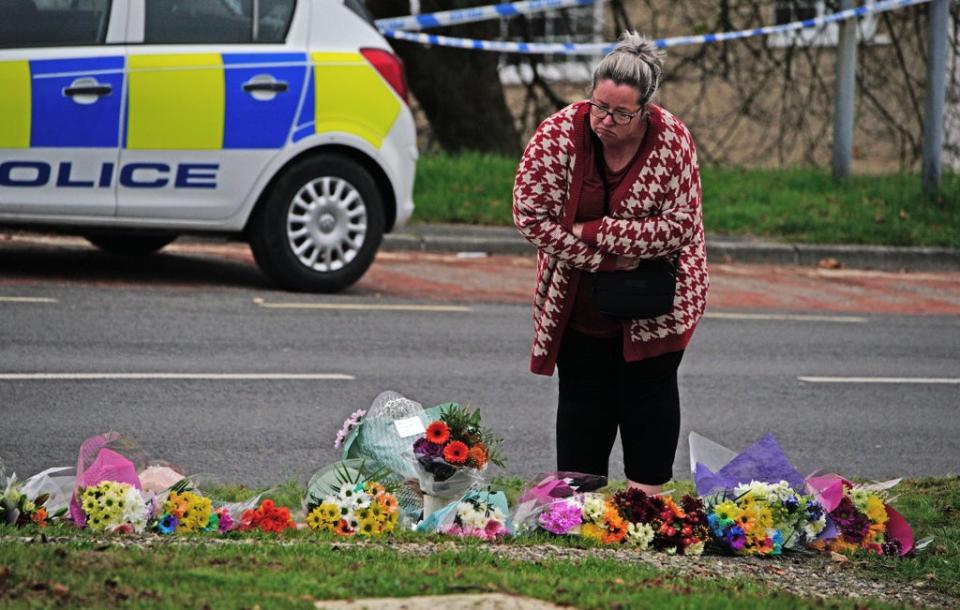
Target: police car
x=281, y=121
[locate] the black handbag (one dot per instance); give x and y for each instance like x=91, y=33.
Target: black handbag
x=644, y=292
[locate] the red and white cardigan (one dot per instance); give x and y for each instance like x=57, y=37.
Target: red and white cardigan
x=654, y=213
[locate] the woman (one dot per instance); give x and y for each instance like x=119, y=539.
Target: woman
x=604, y=184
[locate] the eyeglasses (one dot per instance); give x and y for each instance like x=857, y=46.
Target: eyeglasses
x=619, y=117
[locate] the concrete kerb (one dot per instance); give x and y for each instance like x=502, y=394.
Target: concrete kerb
x=720, y=249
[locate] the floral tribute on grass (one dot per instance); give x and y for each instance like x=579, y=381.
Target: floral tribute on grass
x=16, y=507
x=347, y=500
x=764, y=518
x=268, y=517
x=110, y=506
x=452, y=455
x=479, y=514
x=662, y=523
x=863, y=518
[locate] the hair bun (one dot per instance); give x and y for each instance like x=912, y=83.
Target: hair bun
x=633, y=43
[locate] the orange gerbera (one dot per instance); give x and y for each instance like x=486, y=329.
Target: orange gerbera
x=455, y=453
x=438, y=433
x=343, y=528
x=477, y=456
x=389, y=502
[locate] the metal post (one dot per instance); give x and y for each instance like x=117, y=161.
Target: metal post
x=843, y=104
x=938, y=20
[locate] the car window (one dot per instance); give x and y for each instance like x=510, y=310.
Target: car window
x=53, y=23
x=217, y=21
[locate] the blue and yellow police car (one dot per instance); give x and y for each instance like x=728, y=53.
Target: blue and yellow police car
x=282, y=121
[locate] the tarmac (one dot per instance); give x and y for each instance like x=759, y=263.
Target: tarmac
x=479, y=240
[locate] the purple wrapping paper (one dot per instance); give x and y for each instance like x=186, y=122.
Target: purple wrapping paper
x=763, y=461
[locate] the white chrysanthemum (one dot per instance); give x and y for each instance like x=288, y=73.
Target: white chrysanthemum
x=346, y=494
x=135, y=509
x=640, y=535
x=361, y=500
x=593, y=508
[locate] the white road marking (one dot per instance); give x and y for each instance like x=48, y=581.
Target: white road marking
x=182, y=376
x=928, y=380
x=27, y=300
x=367, y=307
x=785, y=317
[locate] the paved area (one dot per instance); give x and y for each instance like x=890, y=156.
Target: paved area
x=473, y=276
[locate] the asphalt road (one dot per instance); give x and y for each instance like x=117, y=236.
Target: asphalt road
x=739, y=380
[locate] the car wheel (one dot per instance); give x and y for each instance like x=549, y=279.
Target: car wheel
x=320, y=226
x=130, y=244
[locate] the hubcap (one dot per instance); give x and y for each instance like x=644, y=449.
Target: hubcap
x=326, y=223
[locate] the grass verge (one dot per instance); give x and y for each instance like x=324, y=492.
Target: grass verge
x=294, y=571
x=793, y=205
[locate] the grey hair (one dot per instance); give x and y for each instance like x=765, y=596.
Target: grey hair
x=635, y=61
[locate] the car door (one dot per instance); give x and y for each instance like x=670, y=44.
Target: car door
x=213, y=93
x=61, y=101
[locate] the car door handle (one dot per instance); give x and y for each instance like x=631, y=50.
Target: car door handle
x=274, y=87
x=98, y=90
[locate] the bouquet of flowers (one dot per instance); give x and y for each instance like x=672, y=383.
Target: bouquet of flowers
x=363, y=508
x=268, y=517
x=478, y=514
x=16, y=507
x=763, y=519
x=678, y=529
x=348, y=499
x=862, y=516
x=554, y=493
x=452, y=455
x=111, y=506
x=184, y=510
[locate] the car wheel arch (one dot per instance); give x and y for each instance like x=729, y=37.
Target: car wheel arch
x=380, y=179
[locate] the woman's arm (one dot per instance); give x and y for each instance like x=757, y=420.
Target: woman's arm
x=541, y=186
x=663, y=234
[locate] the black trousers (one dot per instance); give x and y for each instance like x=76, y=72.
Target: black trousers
x=600, y=393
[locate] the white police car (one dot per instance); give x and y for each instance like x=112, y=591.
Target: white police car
x=132, y=121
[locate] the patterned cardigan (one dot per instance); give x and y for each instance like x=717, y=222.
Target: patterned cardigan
x=655, y=212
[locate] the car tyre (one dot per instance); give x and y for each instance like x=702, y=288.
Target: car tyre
x=320, y=226
x=131, y=244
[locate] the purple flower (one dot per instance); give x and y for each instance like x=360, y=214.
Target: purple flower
x=853, y=524
x=424, y=448
x=168, y=524
x=736, y=538
x=561, y=517
x=226, y=522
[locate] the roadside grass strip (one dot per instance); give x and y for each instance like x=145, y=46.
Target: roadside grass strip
x=63, y=566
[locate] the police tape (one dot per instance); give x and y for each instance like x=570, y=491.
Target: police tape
x=477, y=13
x=548, y=48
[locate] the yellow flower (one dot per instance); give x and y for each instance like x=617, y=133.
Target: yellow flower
x=329, y=511
x=315, y=519
x=728, y=510
x=368, y=527
x=591, y=532
x=876, y=511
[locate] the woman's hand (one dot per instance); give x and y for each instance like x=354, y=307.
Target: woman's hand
x=626, y=263
x=578, y=229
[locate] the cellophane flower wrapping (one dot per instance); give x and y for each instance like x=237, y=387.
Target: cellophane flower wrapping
x=478, y=514
x=760, y=518
x=863, y=517
x=376, y=438
x=718, y=469
x=547, y=490
x=347, y=499
x=452, y=455
x=107, y=457
x=40, y=498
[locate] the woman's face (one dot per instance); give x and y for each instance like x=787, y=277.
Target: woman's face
x=608, y=95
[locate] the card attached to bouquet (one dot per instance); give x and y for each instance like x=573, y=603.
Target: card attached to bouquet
x=410, y=426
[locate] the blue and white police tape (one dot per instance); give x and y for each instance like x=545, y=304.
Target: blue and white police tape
x=546, y=48
x=476, y=13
